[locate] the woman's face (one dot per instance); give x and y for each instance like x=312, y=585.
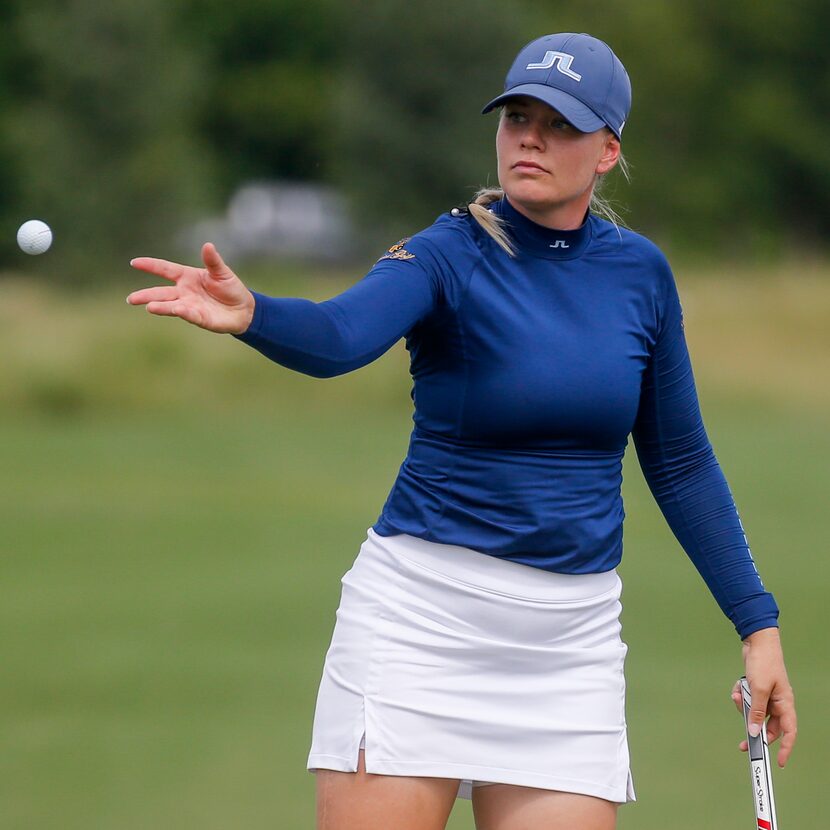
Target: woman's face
x=546, y=167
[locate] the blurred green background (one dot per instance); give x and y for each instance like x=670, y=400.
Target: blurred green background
x=176, y=512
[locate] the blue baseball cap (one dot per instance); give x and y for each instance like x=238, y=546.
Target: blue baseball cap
x=576, y=74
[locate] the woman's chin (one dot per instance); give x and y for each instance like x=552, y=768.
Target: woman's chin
x=535, y=189
x=531, y=198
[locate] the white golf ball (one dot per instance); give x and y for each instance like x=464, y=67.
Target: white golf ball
x=34, y=237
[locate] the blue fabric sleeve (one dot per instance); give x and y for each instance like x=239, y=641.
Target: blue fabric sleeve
x=687, y=482
x=352, y=329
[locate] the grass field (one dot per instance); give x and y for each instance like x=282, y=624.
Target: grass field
x=176, y=512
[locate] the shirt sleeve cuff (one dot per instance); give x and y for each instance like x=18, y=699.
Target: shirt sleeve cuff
x=756, y=613
x=253, y=330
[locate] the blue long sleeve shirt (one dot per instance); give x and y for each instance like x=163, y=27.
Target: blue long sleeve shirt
x=529, y=374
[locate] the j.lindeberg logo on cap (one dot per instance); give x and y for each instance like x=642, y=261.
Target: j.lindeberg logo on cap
x=561, y=60
x=560, y=243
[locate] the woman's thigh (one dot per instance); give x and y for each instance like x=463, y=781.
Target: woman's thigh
x=506, y=807
x=362, y=801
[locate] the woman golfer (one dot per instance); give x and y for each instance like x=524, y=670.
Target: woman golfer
x=477, y=649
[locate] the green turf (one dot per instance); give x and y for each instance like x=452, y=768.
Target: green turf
x=173, y=536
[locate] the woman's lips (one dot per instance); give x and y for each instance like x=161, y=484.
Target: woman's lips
x=529, y=167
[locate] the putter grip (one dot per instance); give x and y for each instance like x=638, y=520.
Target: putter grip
x=759, y=768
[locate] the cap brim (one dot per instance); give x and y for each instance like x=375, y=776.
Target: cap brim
x=572, y=109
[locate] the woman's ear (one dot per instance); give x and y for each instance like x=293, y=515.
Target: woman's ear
x=610, y=153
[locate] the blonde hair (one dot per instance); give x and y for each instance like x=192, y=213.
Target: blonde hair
x=496, y=227
x=492, y=224
x=600, y=203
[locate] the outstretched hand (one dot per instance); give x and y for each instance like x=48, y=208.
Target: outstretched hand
x=771, y=691
x=213, y=297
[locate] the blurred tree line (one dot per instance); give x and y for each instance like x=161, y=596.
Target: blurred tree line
x=120, y=122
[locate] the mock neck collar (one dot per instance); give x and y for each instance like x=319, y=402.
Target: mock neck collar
x=539, y=241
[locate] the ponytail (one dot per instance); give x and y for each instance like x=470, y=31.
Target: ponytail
x=493, y=225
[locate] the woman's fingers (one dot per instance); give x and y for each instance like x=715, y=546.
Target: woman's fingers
x=212, y=297
x=781, y=724
x=214, y=262
x=773, y=730
x=159, y=293
x=160, y=267
x=758, y=710
x=176, y=308
x=737, y=699
x=788, y=730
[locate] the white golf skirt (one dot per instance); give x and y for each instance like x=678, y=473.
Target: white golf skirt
x=449, y=663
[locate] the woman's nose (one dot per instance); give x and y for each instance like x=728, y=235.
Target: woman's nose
x=532, y=136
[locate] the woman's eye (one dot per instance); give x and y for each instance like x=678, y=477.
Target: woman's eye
x=515, y=117
x=560, y=125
